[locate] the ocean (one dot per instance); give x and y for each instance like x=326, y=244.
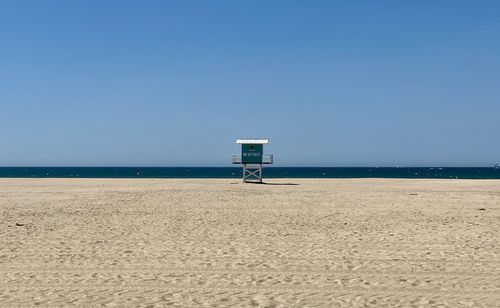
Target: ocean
x=236, y=172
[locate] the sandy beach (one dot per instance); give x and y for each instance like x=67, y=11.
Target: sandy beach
x=221, y=243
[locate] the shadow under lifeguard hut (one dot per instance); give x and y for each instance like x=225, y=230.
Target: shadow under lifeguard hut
x=277, y=184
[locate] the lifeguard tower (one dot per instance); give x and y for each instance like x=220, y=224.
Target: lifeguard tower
x=252, y=158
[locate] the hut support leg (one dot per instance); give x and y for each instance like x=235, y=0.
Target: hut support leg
x=252, y=173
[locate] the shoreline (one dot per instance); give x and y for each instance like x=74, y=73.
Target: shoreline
x=240, y=180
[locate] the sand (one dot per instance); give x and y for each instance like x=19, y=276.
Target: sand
x=221, y=243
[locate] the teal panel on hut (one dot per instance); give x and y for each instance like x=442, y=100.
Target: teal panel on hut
x=252, y=153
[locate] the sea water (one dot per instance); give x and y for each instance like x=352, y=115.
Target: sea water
x=236, y=172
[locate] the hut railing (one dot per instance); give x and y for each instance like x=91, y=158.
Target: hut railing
x=266, y=159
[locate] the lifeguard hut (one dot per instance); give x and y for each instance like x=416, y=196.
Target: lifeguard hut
x=252, y=158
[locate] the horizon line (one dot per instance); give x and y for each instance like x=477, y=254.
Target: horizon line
x=279, y=166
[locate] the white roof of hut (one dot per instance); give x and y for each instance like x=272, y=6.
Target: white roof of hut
x=252, y=141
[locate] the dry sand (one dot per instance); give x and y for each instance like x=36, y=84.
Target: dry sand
x=218, y=243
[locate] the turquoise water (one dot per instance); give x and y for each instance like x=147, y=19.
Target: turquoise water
x=235, y=172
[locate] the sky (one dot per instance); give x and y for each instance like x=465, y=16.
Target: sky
x=174, y=83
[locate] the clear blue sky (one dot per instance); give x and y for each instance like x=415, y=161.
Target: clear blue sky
x=331, y=83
